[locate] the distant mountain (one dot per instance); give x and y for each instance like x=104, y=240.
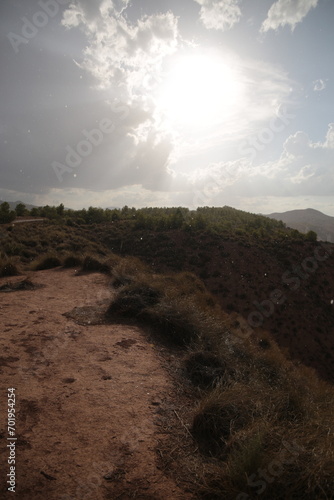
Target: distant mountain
x=308, y=220
x=13, y=204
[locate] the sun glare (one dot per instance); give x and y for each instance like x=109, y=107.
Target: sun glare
x=199, y=91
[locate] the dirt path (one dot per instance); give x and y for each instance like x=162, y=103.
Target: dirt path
x=88, y=397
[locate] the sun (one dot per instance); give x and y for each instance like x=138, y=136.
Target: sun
x=199, y=91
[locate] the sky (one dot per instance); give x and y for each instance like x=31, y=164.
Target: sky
x=167, y=103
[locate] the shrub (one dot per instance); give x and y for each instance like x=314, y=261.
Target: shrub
x=172, y=320
x=91, y=264
x=8, y=269
x=72, y=261
x=175, y=305
x=205, y=369
x=133, y=300
x=220, y=415
x=47, y=262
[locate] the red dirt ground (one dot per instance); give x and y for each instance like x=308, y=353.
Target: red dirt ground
x=88, y=396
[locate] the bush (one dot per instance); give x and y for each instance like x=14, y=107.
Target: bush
x=173, y=322
x=47, y=262
x=8, y=269
x=311, y=236
x=72, y=261
x=214, y=423
x=91, y=264
x=223, y=413
x=205, y=369
x=133, y=300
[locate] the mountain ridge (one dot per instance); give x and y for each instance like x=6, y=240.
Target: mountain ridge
x=308, y=219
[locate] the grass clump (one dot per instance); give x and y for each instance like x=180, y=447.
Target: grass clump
x=127, y=270
x=221, y=414
x=206, y=369
x=92, y=264
x=72, y=260
x=133, y=300
x=174, y=304
x=49, y=261
x=8, y=268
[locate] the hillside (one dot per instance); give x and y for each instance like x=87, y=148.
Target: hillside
x=132, y=384
x=241, y=263
x=243, y=276
x=308, y=220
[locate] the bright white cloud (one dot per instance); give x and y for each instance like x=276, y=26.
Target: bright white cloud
x=119, y=52
x=287, y=12
x=297, y=145
x=319, y=85
x=219, y=14
x=126, y=59
x=329, y=142
x=304, y=169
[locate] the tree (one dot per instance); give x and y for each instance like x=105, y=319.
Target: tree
x=95, y=215
x=49, y=212
x=177, y=219
x=20, y=209
x=311, y=236
x=4, y=207
x=60, y=210
x=6, y=215
x=35, y=212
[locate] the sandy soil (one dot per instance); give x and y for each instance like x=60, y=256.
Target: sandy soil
x=88, y=396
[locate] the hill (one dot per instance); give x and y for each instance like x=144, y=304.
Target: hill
x=308, y=220
x=135, y=384
x=241, y=258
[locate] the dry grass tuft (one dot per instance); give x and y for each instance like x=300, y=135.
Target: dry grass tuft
x=206, y=369
x=222, y=413
x=48, y=261
x=132, y=300
x=72, y=260
x=8, y=267
x=93, y=265
x=175, y=304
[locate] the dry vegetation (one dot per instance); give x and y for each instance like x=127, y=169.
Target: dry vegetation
x=263, y=425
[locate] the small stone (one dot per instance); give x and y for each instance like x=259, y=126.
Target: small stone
x=109, y=476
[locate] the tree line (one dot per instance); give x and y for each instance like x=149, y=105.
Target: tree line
x=218, y=219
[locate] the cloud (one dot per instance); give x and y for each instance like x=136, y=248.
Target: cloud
x=297, y=144
x=121, y=53
x=319, y=85
x=329, y=142
x=89, y=13
x=219, y=14
x=287, y=12
x=125, y=59
x=304, y=168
